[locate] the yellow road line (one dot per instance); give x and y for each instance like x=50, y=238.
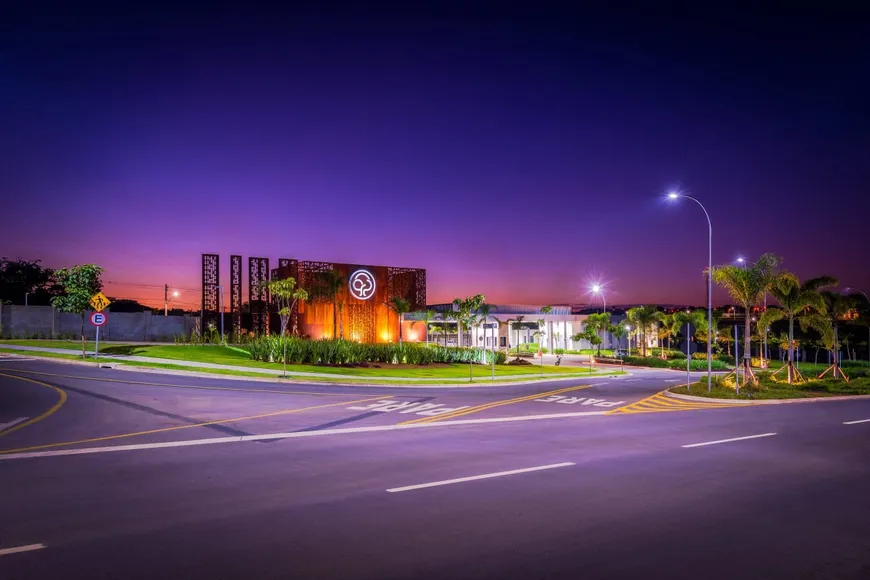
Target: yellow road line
x=659, y=403
x=107, y=380
x=61, y=400
x=484, y=406
x=178, y=427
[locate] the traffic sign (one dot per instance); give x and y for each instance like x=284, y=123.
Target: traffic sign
x=98, y=318
x=99, y=301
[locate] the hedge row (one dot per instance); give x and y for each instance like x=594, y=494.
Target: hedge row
x=341, y=352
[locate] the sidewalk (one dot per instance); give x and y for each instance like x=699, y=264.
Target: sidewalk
x=274, y=372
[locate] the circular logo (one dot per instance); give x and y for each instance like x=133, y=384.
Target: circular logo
x=98, y=319
x=362, y=284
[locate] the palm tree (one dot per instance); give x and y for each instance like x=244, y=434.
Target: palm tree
x=838, y=308
x=619, y=331
x=519, y=320
x=599, y=322
x=327, y=287
x=643, y=318
x=746, y=285
x=426, y=317
x=484, y=311
x=666, y=329
x=796, y=301
x=697, y=318
x=400, y=306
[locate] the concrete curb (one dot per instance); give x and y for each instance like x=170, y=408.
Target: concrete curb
x=131, y=367
x=763, y=401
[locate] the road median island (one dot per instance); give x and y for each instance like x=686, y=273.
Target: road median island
x=204, y=361
x=771, y=391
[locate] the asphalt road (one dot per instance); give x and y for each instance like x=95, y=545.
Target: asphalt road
x=346, y=493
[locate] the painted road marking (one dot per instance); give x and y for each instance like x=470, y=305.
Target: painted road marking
x=416, y=407
x=492, y=405
x=564, y=400
x=477, y=477
x=8, y=455
x=728, y=440
x=19, y=549
x=179, y=427
x=11, y=423
x=170, y=385
x=856, y=422
x=60, y=401
x=659, y=403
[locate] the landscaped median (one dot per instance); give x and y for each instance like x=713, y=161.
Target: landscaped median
x=237, y=361
x=771, y=388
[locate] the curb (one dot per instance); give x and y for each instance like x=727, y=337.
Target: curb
x=274, y=379
x=764, y=401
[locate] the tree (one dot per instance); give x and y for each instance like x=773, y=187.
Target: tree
x=697, y=318
x=796, y=300
x=79, y=283
x=465, y=313
x=619, y=331
x=643, y=318
x=286, y=295
x=400, y=306
x=327, y=286
x=484, y=311
x=426, y=317
x=598, y=323
x=837, y=309
x=665, y=329
x=25, y=278
x=746, y=285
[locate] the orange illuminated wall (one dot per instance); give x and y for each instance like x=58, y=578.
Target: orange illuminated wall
x=363, y=319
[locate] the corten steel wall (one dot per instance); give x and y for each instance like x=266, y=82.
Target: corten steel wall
x=369, y=320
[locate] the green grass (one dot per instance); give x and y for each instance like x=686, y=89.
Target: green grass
x=771, y=389
x=67, y=344
x=229, y=355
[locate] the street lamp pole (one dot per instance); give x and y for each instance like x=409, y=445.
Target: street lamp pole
x=597, y=289
x=674, y=195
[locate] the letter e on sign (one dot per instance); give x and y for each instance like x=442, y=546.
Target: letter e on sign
x=98, y=318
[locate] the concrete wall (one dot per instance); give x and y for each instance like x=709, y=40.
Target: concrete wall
x=46, y=322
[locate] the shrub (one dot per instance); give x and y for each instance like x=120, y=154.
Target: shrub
x=345, y=352
x=558, y=351
x=695, y=365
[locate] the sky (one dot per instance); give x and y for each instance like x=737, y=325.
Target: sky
x=519, y=150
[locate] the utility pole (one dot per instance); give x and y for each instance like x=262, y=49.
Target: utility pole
x=166, y=300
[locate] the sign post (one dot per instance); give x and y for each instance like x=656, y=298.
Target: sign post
x=689, y=348
x=98, y=319
x=99, y=302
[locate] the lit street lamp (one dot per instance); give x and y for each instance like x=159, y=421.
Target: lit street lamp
x=166, y=298
x=674, y=196
x=597, y=289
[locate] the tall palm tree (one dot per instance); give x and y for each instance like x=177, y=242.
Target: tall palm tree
x=426, y=317
x=666, y=329
x=796, y=301
x=328, y=286
x=838, y=308
x=483, y=313
x=400, y=306
x=519, y=320
x=643, y=318
x=746, y=285
x=619, y=331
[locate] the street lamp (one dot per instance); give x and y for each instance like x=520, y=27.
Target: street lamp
x=628, y=336
x=847, y=290
x=597, y=289
x=674, y=196
x=166, y=298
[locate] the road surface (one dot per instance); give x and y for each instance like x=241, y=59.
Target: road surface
x=112, y=473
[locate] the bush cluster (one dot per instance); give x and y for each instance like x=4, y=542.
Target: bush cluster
x=695, y=365
x=345, y=352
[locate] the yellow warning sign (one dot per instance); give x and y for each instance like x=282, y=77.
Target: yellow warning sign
x=99, y=301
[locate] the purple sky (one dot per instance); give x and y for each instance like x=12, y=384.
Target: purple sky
x=516, y=153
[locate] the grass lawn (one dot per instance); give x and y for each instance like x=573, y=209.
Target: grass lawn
x=769, y=389
x=67, y=344
x=229, y=355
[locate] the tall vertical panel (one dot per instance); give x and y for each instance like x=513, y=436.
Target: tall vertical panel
x=236, y=295
x=258, y=278
x=210, y=282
